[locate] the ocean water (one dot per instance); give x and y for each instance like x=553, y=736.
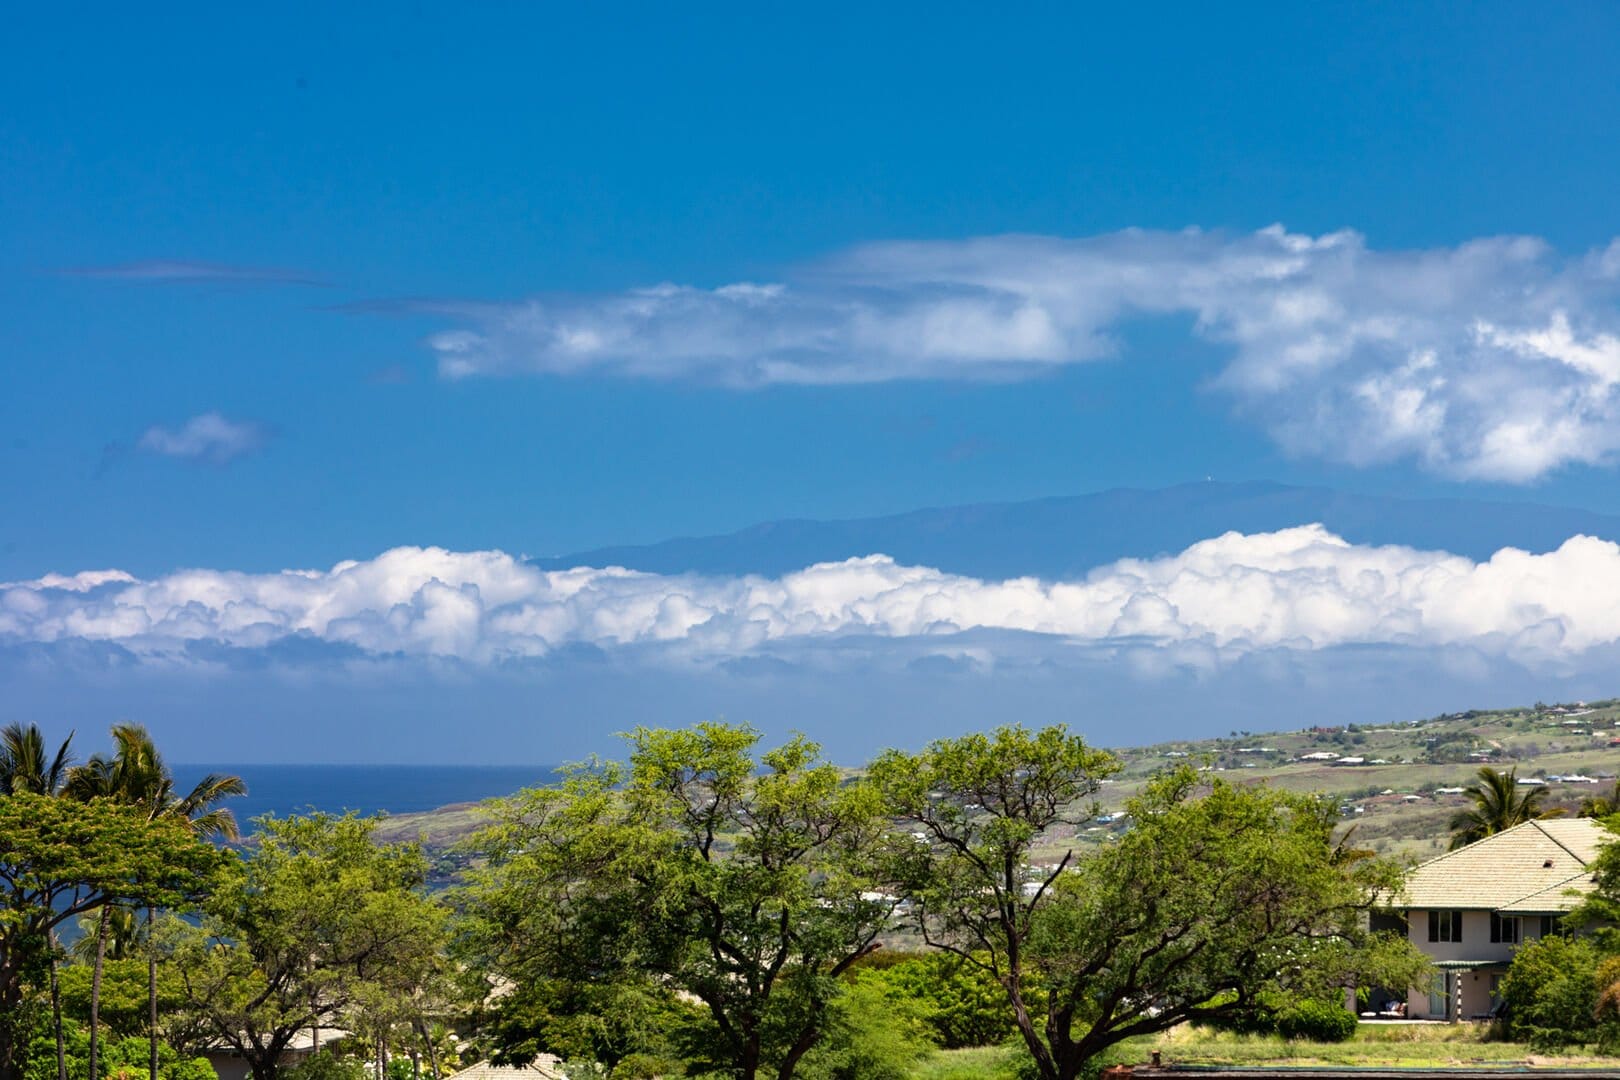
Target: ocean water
x=393, y=789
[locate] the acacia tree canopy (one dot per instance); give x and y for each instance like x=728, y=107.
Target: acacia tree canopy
x=60, y=858
x=1216, y=895
x=744, y=881
x=317, y=923
x=978, y=804
x=1219, y=897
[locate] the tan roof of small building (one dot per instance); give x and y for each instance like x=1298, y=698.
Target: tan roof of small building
x=543, y=1067
x=1531, y=864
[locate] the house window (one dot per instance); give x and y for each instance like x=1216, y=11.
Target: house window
x=1549, y=925
x=1445, y=926
x=1504, y=929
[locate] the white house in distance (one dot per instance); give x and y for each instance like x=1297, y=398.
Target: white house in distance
x=1469, y=909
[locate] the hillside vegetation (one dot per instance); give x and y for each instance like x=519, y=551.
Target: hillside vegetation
x=1396, y=782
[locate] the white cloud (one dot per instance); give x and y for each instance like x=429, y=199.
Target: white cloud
x=209, y=437
x=1496, y=359
x=1296, y=590
x=190, y=271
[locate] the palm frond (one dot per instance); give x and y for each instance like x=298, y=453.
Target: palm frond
x=24, y=764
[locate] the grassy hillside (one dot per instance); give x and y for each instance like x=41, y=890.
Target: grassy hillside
x=1395, y=795
x=1397, y=792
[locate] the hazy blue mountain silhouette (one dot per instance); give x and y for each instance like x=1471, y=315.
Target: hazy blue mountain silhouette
x=1066, y=536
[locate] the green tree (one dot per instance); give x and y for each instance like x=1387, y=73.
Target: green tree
x=1218, y=897
x=26, y=766
x=1599, y=911
x=122, y=1011
x=136, y=774
x=871, y=1036
x=123, y=1002
x=1607, y=1010
x=961, y=1003
x=115, y=932
x=60, y=858
x=317, y=924
x=747, y=883
x=627, y=1026
x=981, y=803
x=1601, y=806
x=124, y=1054
x=1551, y=992
x=1498, y=804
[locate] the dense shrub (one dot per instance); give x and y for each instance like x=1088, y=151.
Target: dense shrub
x=872, y=1036
x=1551, y=991
x=1608, y=1005
x=962, y=1004
x=120, y=1057
x=1259, y=1019
x=1318, y=1021
x=123, y=995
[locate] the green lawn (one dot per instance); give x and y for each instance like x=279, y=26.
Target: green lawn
x=1373, y=1044
x=1395, y=1045
x=982, y=1063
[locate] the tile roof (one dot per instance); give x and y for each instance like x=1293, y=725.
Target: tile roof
x=1555, y=900
x=544, y=1067
x=1530, y=864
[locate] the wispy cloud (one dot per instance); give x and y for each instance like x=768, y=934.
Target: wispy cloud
x=1497, y=359
x=210, y=437
x=1296, y=591
x=186, y=272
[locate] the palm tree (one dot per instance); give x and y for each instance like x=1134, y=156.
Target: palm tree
x=25, y=766
x=121, y=935
x=1498, y=804
x=136, y=774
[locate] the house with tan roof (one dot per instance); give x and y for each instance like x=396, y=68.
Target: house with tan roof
x=1469, y=909
x=543, y=1067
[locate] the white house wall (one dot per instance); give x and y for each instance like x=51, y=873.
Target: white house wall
x=1476, y=943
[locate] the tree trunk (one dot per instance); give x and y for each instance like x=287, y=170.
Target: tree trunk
x=801, y=1046
x=263, y=1058
x=151, y=992
x=1044, y=1063
x=56, y=1015
x=263, y=1067
x=95, y=990
x=432, y=1051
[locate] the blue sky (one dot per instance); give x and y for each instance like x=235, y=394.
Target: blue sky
x=284, y=289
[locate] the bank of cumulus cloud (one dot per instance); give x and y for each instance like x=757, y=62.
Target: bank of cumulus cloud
x=1496, y=359
x=1296, y=589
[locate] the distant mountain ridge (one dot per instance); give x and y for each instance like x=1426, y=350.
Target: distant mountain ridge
x=1065, y=536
